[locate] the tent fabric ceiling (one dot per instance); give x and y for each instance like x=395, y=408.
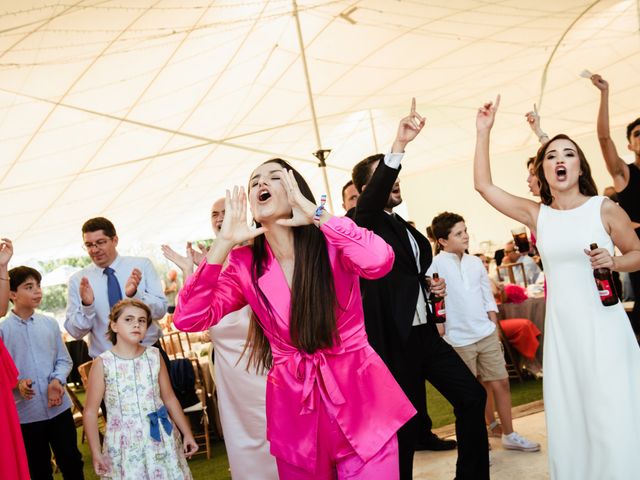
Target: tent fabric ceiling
x=145, y=111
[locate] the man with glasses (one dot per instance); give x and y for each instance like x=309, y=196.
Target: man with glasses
x=512, y=256
x=110, y=278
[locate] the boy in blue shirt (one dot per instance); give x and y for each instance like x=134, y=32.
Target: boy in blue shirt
x=35, y=344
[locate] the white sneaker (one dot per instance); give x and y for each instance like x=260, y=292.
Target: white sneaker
x=514, y=441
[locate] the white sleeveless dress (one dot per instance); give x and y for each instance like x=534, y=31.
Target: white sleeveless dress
x=591, y=357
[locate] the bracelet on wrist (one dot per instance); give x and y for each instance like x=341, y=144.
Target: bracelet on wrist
x=320, y=209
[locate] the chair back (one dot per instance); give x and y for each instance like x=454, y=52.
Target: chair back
x=174, y=344
x=510, y=275
x=83, y=370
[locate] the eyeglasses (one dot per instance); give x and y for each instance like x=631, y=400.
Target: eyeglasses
x=99, y=244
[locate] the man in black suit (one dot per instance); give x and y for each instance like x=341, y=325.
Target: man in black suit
x=400, y=323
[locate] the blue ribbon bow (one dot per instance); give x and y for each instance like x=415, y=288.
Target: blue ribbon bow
x=155, y=418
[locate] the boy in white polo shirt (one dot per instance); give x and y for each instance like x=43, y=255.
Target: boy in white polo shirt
x=471, y=319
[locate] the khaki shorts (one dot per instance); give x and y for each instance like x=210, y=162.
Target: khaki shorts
x=485, y=358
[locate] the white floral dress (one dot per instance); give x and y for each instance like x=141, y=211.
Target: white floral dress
x=132, y=391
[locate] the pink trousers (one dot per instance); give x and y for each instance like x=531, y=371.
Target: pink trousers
x=336, y=459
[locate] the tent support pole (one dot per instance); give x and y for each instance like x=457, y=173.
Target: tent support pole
x=373, y=132
x=320, y=154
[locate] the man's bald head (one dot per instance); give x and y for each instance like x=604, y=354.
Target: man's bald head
x=217, y=215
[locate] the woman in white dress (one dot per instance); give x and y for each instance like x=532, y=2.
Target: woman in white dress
x=591, y=358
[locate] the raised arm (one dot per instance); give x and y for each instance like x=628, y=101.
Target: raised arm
x=209, y=294
x=520, y=209
x=533, y=119
x=184, y=263
x=616, y=166
x=373, y=199
x=6, y=251
x=362, y=251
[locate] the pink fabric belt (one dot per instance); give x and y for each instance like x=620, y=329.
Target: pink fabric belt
x=312, y=369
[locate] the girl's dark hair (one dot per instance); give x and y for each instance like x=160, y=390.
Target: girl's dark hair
x=585, y=182
x=313, y=298
x=117, y=310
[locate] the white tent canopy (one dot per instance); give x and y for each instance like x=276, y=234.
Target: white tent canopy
x=144, y=111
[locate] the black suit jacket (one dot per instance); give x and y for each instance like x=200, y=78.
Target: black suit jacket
x=390, y=302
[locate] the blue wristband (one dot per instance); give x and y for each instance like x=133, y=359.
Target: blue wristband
x=320, y=209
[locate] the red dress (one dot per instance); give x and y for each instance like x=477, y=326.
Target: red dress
x=523, y=334
x=12, y=455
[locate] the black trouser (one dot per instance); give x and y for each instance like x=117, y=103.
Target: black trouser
x=426, y=356
x=57, y=434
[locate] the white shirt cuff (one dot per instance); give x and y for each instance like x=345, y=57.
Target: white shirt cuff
x=392, y=160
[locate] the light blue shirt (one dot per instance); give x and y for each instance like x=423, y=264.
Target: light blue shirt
x=94, y=319
x=37, y=350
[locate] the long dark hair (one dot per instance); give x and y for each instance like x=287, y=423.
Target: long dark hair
x=313, y=298
x=585, y=182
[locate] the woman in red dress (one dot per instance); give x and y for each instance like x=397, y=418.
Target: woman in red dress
x=12, y=455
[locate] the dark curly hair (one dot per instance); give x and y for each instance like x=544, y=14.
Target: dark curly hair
x=631, y=126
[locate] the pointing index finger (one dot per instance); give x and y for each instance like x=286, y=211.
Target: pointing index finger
x=413, y=105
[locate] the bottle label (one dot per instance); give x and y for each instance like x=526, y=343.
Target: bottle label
x=439, y=310
x=604, y=289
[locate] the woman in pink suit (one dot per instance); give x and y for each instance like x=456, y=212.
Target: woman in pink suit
x=13, y=459
x=333, y=408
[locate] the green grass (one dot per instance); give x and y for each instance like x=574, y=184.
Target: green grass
x=217, y=468
x=441, y=412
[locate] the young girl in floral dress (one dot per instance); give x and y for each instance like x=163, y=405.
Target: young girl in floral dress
x=141, y=440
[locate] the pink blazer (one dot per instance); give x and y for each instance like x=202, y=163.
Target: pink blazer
x=350, y=379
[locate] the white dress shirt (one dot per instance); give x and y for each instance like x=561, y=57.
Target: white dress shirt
x=392, y=160
x=468, y=299
x=94, y=319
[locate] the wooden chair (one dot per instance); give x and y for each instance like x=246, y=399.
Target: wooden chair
x=510, y=275
x=203, y=439
x=174, y=343
x=78, y=412
x=511, y=362
x=83, y=370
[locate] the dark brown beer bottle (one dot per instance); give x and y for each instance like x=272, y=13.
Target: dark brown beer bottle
x=604, y=282
x=437, y=304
